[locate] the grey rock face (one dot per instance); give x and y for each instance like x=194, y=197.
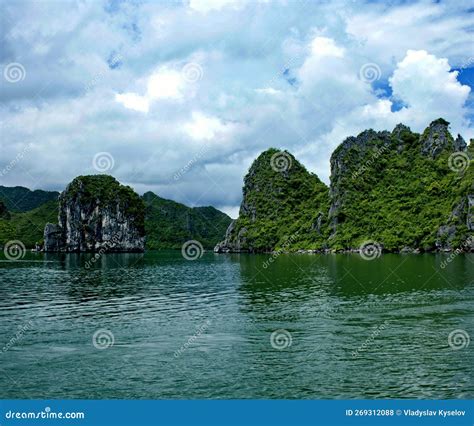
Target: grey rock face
x=460, y=144
x=436, y=138
x=351, y=160
x=398, y=134
x=462, y=215
x=470, y=212
x=94, y=223
x=399, y=129
x=233, y=243
x=53, y=238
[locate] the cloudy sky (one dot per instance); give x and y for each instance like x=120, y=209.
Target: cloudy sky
x=178, y=97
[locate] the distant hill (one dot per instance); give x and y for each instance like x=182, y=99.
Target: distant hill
x=169, y=224
x=20, y=199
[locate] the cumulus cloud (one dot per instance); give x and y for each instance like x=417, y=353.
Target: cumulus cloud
x=426, y=83
x=322, y=47
x=203, y=127
x=164, y=83
x=197, y=89
x=133, y=101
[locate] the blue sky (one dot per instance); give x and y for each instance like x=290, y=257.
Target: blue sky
x=178, y=97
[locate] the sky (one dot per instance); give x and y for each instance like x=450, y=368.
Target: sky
x=179, y=97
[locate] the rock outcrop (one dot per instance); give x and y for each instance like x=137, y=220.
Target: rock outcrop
x=97, y=213
x=350, y=161
x=280, y=208
x=458, y=230
x=437, y=138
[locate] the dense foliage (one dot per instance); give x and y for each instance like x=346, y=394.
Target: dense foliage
x=399, y=198
x=4, y=213
x=283, y=206
x=399, y=189
x=169, y=224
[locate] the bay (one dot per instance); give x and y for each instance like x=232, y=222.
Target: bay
x=156, y=325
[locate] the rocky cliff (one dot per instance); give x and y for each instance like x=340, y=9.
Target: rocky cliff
x=283, y=206
x=97, y=213
x=458, y=230
x=404, y=190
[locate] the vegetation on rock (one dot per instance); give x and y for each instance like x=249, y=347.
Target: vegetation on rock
x=97, y=213
x=283, y=206
x=401, y=189
x=400, y=197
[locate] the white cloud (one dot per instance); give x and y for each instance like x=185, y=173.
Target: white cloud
x=133, y=101
x=164, y=83
x=324, y=46
x=232, y=211
x=269, y=91
x=424, y=81
x=385, y=33
x=329, y=80
x=203, y=127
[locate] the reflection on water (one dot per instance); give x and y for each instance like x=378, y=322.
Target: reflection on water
x=202, y=329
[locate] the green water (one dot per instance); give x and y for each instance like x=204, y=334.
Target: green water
x=203, y=329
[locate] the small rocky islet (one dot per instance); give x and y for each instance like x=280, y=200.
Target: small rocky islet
x=97, y=213
x=400, y=190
